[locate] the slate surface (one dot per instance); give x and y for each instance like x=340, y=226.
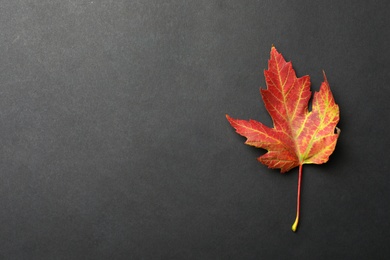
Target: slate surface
x=114, y=142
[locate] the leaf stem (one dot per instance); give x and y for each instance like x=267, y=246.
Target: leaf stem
x=295, y=225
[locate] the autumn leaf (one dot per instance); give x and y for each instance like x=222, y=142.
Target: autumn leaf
x=299, y=136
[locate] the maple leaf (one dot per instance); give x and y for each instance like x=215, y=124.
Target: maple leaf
x=299, y=136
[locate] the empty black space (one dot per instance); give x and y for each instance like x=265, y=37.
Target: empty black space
x=114, y=142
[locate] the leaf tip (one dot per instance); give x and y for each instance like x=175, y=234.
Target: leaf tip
x=323, y=73
x=295, y=225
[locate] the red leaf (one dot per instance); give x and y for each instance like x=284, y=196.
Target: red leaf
x=299, y=136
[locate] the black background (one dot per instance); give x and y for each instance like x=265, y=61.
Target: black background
x=115, y=145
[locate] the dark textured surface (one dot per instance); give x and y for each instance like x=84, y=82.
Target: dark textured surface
x=114, y=142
